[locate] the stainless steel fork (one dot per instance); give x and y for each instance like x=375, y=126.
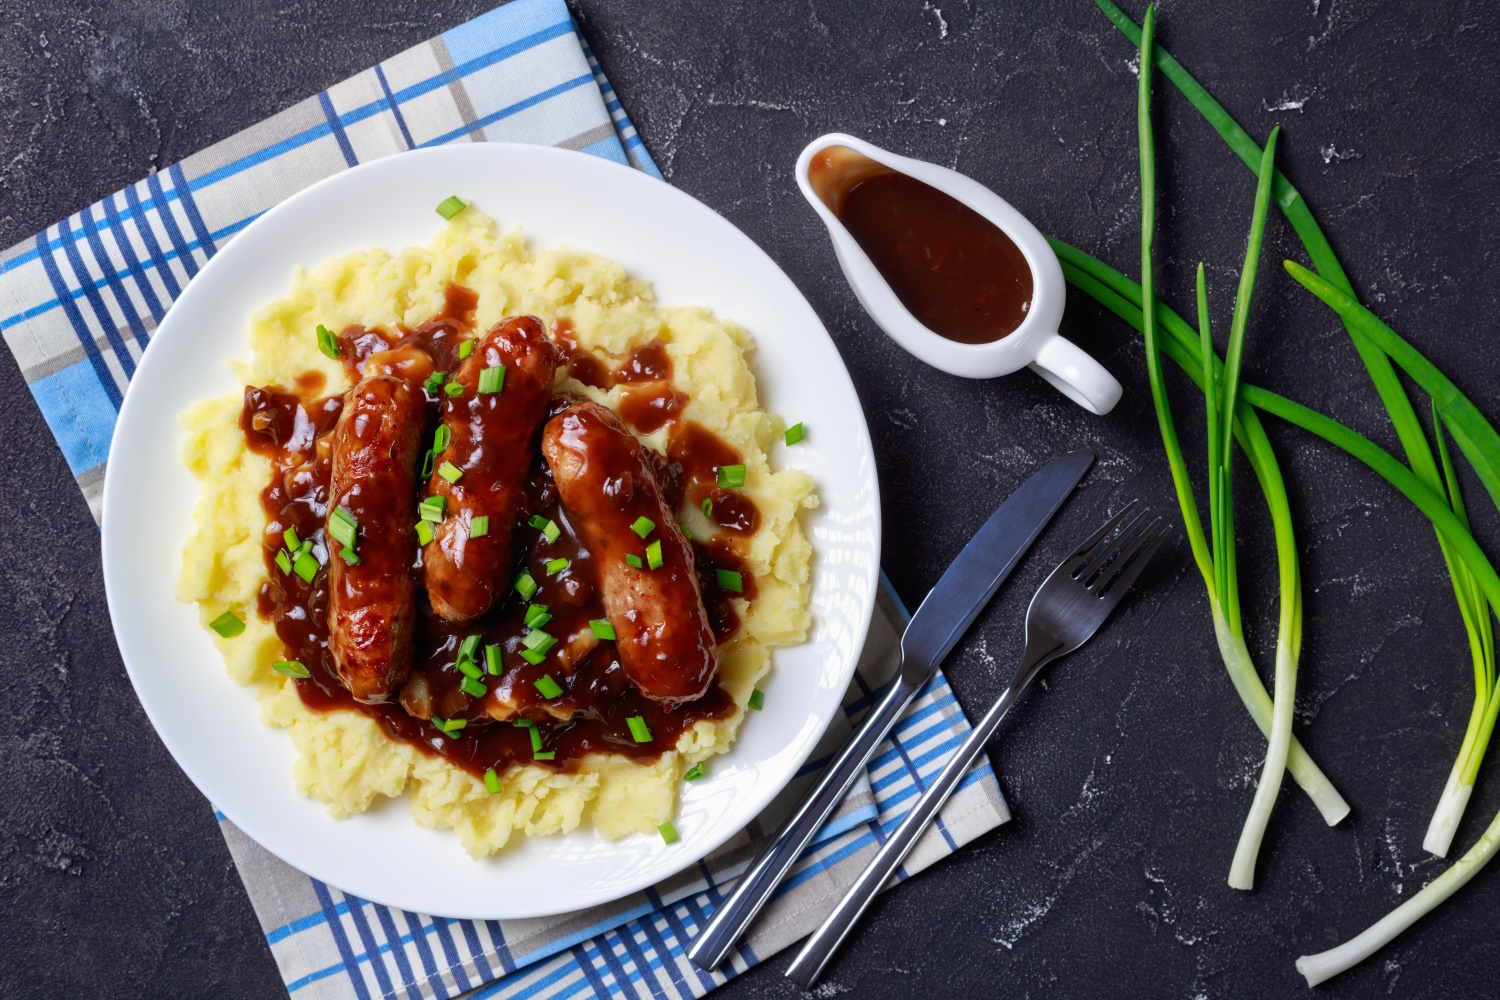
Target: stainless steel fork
x=1065, y=613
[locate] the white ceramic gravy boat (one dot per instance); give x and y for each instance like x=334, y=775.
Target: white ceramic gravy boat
x=1035, y=342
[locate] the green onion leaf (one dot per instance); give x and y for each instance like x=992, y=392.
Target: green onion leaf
x=638, y=729
x=795, y=433
x=450, y=727
x=293, y=543
x=306, y=566
x=432, y=508
x=492, y=660
x=536, y=738
x=556, y=566
x=303, y=549
x=328, y=343
x=284, y=561
x=544, y=755
x=450, y=472
x=349, y=556
x=441, y=437
x=424, y=533
x=467, y=668
x=454, y=389
x=479, y=526
x=525, y=585
x=538, y=640
x=602, y=629
x=291, y=668
x=427, y=461
x=668, y=832
x=731, y=475
x=434, y=383
x=546, y=526
x=533, y=612
x=492, y=782
x=708, y=507
x=643, y=526
x=757, y=699
x=532, y=657
x=341, y=529
x=473, y=688
x=466, y=348
x=653, y=554
x=631, y=560
x=548, y=687
x=695, y=772
x=450, y=206
x=229, y=625
x=730, y=580
x=492, y=379
x=470, y=645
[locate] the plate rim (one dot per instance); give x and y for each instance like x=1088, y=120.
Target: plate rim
x=113, y=485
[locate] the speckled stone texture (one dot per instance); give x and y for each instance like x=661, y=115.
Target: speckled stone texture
x=1131, y=769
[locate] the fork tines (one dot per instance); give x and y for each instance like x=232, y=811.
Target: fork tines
x=1109, y=560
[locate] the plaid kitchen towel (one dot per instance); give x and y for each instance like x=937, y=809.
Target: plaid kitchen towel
x=78, y=304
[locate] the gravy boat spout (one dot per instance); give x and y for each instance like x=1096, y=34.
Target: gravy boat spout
x=833, y=164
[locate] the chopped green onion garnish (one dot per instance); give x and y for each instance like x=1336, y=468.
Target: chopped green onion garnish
x=450, y=472
x=708, y=507
x=342, y=513
x=229, y=625
x=450, y=206
x=284, y=561
x=427, y=461
x=548, y=687
x=441, y=437
x=695, y=772
x=434, y=383
x=653, y=555
x=525, y=585
x=522, y=723
x=492, y=782
x=757, y=699
x=454, y=388
x=730, y=580
x=473, y=688
x=424, y=533
x=306, y=566
x=492, y=660
x=304, y=548
x=546, y=526
x=638, y=729
x=544, y=755
x=533, y=612
x=467, y=668
x=536, y=738
x=479, y=526
x=290, y=537
x=795, y=433
x=668, y=832
x=538, y=640
x=643, y=526
x=602, y=628
x=292, y=668
x=470, y=645
x=327, y=342
x=731, y=475
x=342, y=527
x=432, y=508
x=556, y=566
x=349, y=556
x=451, y=727
x=532, y=657
x=467, y=348
x=492, y=379
x=635, y=561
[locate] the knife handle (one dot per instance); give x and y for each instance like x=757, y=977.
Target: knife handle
x=719, y=936
x=809, y=963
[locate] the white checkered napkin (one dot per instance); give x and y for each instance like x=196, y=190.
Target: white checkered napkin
x=78, y=304
x=329, y=944
x=79, y=301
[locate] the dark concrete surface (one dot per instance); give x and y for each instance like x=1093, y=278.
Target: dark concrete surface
x=1131, y=771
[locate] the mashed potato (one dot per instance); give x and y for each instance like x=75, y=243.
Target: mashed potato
x=344, y=760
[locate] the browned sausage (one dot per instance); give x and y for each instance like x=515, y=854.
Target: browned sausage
x=662, y=635
x=492, y=442
x=372, y=604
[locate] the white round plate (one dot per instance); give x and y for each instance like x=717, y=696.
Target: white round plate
x=210, y=724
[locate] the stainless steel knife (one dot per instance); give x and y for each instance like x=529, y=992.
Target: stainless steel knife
x=947, y=612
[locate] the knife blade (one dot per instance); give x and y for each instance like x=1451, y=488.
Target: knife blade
x=948, y=610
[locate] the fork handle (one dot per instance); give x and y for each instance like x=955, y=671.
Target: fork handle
x=809, y=962
x=730, y=919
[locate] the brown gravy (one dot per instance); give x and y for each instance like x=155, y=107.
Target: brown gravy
x=292, y=427
x=956, y=271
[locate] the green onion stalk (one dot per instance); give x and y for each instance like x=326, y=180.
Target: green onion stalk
x=1215, y=558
